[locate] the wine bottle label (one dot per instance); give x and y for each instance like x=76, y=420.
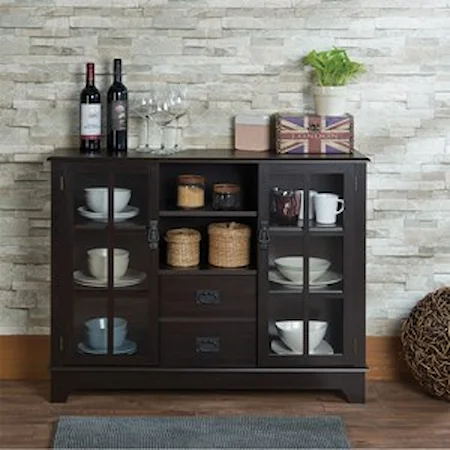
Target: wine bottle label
x=119, y=115
x=91, y=121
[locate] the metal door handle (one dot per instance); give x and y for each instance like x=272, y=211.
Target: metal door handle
x=153, y=235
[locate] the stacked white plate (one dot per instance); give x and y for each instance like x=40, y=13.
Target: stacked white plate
x=278, y=347
x=131, y=278
x=329, y=277
x=127, y=213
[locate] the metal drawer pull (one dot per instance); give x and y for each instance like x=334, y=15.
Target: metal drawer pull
x=205, y=297
x=207, y=344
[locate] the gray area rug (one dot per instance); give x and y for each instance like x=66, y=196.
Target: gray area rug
x=200, y=432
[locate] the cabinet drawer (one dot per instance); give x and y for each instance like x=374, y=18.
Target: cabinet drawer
x=208, y=296
x=208, y=344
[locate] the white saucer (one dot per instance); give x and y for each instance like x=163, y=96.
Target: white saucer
x=127, y=348
x=131, y=278
x=326, y=225
x=324, y=348
x=329, y=277
x=128, y=213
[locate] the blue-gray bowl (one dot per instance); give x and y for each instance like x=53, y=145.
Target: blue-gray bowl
x=97, y=332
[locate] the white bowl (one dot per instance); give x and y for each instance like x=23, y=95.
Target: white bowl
x=97, y=332
x=292, y=267
x=98, y=262
x=97, y=199
x=291, y=333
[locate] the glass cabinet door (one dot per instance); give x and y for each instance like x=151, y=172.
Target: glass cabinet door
x=113, y=304
x=305, y=214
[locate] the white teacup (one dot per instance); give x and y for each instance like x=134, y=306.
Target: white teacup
x=327, y=208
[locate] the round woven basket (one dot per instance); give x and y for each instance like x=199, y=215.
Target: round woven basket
x=183, y=247
x=229, y=244
x=425, y=339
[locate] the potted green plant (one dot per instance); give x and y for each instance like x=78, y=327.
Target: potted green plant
x=332, y=71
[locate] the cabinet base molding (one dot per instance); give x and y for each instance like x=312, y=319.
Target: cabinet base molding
x=349, y=381
x=27, y=357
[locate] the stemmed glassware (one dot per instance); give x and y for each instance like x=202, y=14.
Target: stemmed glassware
x=161, y=106
x=162, y=115
x=179, y=108
x=143, y=106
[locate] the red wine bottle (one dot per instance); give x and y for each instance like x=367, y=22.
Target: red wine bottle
x=117, y=113
x=90, y=115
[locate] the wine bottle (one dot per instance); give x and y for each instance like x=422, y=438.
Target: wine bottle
x=90, y=115
x=117, y=113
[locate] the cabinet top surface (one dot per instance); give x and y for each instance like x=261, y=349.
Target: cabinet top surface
x=219, y=155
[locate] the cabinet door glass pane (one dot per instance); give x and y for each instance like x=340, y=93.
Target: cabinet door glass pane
x=90, y=199
x=138, y=336
x=326, y=324
x=306, y=246
x=131, y=200
x=111, y=265
x=327, y=202
x=90, y=324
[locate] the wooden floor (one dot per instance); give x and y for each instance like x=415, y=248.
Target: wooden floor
x=395, y=415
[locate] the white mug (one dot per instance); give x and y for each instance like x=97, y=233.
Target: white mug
x=327, y=207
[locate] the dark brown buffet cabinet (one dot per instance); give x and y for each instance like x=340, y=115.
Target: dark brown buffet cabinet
x=207, y=327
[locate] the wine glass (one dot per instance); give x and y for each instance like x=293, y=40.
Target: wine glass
x=162, y=116
x=142, y=106
x=178, y=107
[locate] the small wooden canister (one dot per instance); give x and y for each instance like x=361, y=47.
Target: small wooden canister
x=229, y=244
x=183, y=247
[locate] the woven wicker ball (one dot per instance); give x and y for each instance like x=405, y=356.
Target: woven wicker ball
x=425, y=339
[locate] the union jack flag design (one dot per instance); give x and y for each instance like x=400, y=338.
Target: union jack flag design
x=314, y=134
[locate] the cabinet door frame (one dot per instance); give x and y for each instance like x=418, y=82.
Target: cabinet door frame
x=353, y=237
x=63, y=294
x=65, y=271
x=61, y=279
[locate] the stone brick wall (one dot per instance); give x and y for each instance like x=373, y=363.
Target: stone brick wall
x=236, y=55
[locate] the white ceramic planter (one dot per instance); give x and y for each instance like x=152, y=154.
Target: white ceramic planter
x=330, y=100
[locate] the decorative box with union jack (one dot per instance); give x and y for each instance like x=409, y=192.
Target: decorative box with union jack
x=314, y=134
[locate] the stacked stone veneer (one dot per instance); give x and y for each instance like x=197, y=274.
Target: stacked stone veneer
x=236, y=55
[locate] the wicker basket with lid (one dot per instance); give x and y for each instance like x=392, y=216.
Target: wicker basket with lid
x=183, y=247
x=229, y=244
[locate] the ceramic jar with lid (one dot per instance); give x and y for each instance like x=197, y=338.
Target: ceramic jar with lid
x=191, y=191
x=226, y=197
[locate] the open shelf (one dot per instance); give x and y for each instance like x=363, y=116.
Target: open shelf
x=138, y=289
x=205, y=212
x=244, y=175
x=205, y=269
x=128, y=226
x=314, y=230
x=328, y=291
x=317, y=230
x=287, y=229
